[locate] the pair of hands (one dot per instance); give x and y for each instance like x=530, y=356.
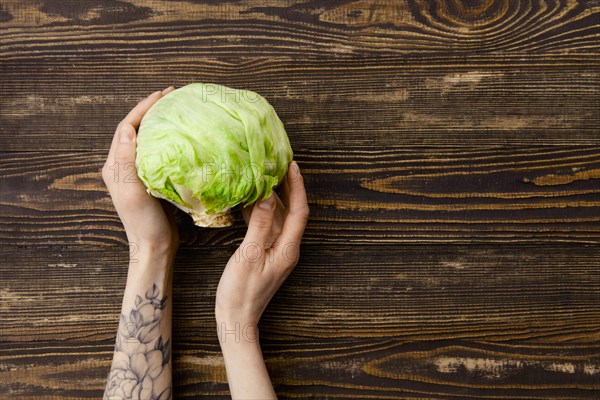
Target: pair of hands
x=267, y=255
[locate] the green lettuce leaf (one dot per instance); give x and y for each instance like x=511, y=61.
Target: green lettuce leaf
x=207, y=148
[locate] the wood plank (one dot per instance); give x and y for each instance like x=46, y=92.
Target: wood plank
x=74, y=104
x=44, y=29
x=538, y=293
x=332, y=368
x=505, y=321
x=357, y=195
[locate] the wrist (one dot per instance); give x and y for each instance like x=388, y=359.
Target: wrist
x=238, y=334
x=158, y=251
x=147, y=254
x=152, y=245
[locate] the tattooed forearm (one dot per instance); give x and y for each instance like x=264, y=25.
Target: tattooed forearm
x=141, y=363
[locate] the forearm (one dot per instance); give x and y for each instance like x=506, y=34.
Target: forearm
x=141, y=366
x=246, y=371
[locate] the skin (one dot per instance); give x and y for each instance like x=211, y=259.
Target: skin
x=270, y=250
x=267, y=255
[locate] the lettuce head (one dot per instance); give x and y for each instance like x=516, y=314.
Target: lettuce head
x=207, y=148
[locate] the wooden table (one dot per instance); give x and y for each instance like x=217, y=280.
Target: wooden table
x=451, y=155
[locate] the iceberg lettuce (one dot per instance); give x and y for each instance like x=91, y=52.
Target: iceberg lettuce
x=207, y=148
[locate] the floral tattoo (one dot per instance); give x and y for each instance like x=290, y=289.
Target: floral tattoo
x=140, y=364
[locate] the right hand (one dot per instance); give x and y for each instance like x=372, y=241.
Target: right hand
x=257, y=269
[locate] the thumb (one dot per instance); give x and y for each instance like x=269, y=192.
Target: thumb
x=261, y=223
x=125, y=152
x=125, y=160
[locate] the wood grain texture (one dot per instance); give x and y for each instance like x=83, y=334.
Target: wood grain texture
x=360, y=195
x=543, y=293
x=336, y=28
x=64, y=104
x=433, y=73
x=451, y=154
x=334, y=368
x=358, y=322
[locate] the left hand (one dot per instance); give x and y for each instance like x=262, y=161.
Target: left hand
x=146, y=223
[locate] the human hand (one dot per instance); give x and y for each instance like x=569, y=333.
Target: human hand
x=146, y=223
x=278, y=217
x=269, y=252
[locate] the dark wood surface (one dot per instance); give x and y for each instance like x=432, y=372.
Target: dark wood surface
x=451, y=152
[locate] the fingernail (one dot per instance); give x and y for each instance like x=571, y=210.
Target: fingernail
x=167, y=89
x=126, y=134
x=295, y=166
x=268, y=203
x=294, y=171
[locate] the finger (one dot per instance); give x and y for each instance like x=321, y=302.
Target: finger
x=279, y=204
x=168, y=90
x=125, y=151
x=284, y=189
x=260, y=225
x=279, y=218
x=247, y=211
x=133, y=115
x=297, y=215
x=125, y=159
x=137, y=113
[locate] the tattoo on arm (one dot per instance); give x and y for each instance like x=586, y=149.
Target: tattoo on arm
x=140, y=368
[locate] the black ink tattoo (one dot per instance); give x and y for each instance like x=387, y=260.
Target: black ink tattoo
x=140, y=364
